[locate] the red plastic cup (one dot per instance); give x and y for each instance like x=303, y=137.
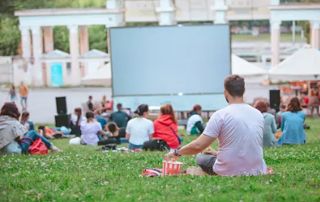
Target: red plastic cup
x=171, y=167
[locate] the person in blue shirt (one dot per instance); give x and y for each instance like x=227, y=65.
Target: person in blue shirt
x=270, y=126
x=292, y=124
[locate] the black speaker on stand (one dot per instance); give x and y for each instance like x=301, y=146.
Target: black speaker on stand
x=274, y=99
x=62, y=119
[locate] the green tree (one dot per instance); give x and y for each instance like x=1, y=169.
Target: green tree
x=9, y=36
x=61, y=38
x=98, y=37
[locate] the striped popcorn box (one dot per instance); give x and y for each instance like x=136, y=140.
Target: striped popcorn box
x=171, y=167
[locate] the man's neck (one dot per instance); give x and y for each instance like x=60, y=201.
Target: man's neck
x=236, y=100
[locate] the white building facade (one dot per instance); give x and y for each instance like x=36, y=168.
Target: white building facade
x=36, y=25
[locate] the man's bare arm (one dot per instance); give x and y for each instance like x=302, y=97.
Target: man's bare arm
x=197, y=146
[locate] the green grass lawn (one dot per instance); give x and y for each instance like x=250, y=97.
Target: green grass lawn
x=82, y=173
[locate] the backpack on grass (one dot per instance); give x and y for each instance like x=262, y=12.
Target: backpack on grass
x=38, y=148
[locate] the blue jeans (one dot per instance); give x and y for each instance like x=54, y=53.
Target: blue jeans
x=134, y=146
x=29, y=138
x=23, y=102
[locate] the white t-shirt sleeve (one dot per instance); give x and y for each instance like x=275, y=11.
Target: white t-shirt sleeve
x=82, y=125
x=99, y=127
x=128, y=128
x=150, y=128
x=213, y=128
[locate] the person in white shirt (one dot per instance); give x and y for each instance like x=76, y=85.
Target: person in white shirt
x=76, y=119
x=139, y=129
x=239, y=129
x=90, y=130
x=195, y=122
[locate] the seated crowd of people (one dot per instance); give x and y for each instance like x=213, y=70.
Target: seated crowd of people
x=242, y=130
x=120, y=127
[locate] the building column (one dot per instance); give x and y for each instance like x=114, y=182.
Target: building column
x=167, y=12
x=37, y=49
x=275, y=2
x=48, y=39
x=84, y=46
x=114, y=4
x=220, y=8
x=26, y=43
x=275, y=42
x=48, y=46
x=84, y=39
x=118, y=16
x=315, y=34
x=74, y=52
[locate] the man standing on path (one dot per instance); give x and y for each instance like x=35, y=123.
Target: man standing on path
x=239, y=130
x=23, y=91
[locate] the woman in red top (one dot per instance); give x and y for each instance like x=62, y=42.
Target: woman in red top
x=166, y=128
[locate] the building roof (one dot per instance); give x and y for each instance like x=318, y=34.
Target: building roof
x=56, y=54
x=94, y=53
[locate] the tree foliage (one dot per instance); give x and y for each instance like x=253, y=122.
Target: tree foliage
x=9, y=30
x=9, y=36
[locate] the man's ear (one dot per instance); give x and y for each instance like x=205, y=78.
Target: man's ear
x=225, y=92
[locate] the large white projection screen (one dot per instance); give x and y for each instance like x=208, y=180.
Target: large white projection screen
x=170, y=64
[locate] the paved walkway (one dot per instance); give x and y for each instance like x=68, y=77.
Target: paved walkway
x=42, y=106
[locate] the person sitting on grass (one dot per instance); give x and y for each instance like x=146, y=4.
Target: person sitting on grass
x=76, y=120
x=292, y=124
x=270, y=127
x=239, y=129
x=279, y=114
x=115, y=134
x=14, y=137
x=120, y=117
x=165, y=129
x=90, y=130
x=50, y=133
x=139, y=129
x=195, y=122
x=24, y=120
x=99, y=118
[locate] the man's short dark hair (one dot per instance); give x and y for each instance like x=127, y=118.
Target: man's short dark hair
x=119, y=106
x=89, y=115
x=234, y=84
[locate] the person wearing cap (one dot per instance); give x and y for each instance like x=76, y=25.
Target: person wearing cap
x=139, y=129
x=239, y=129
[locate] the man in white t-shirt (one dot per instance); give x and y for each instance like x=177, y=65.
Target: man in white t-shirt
x=239, y=130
